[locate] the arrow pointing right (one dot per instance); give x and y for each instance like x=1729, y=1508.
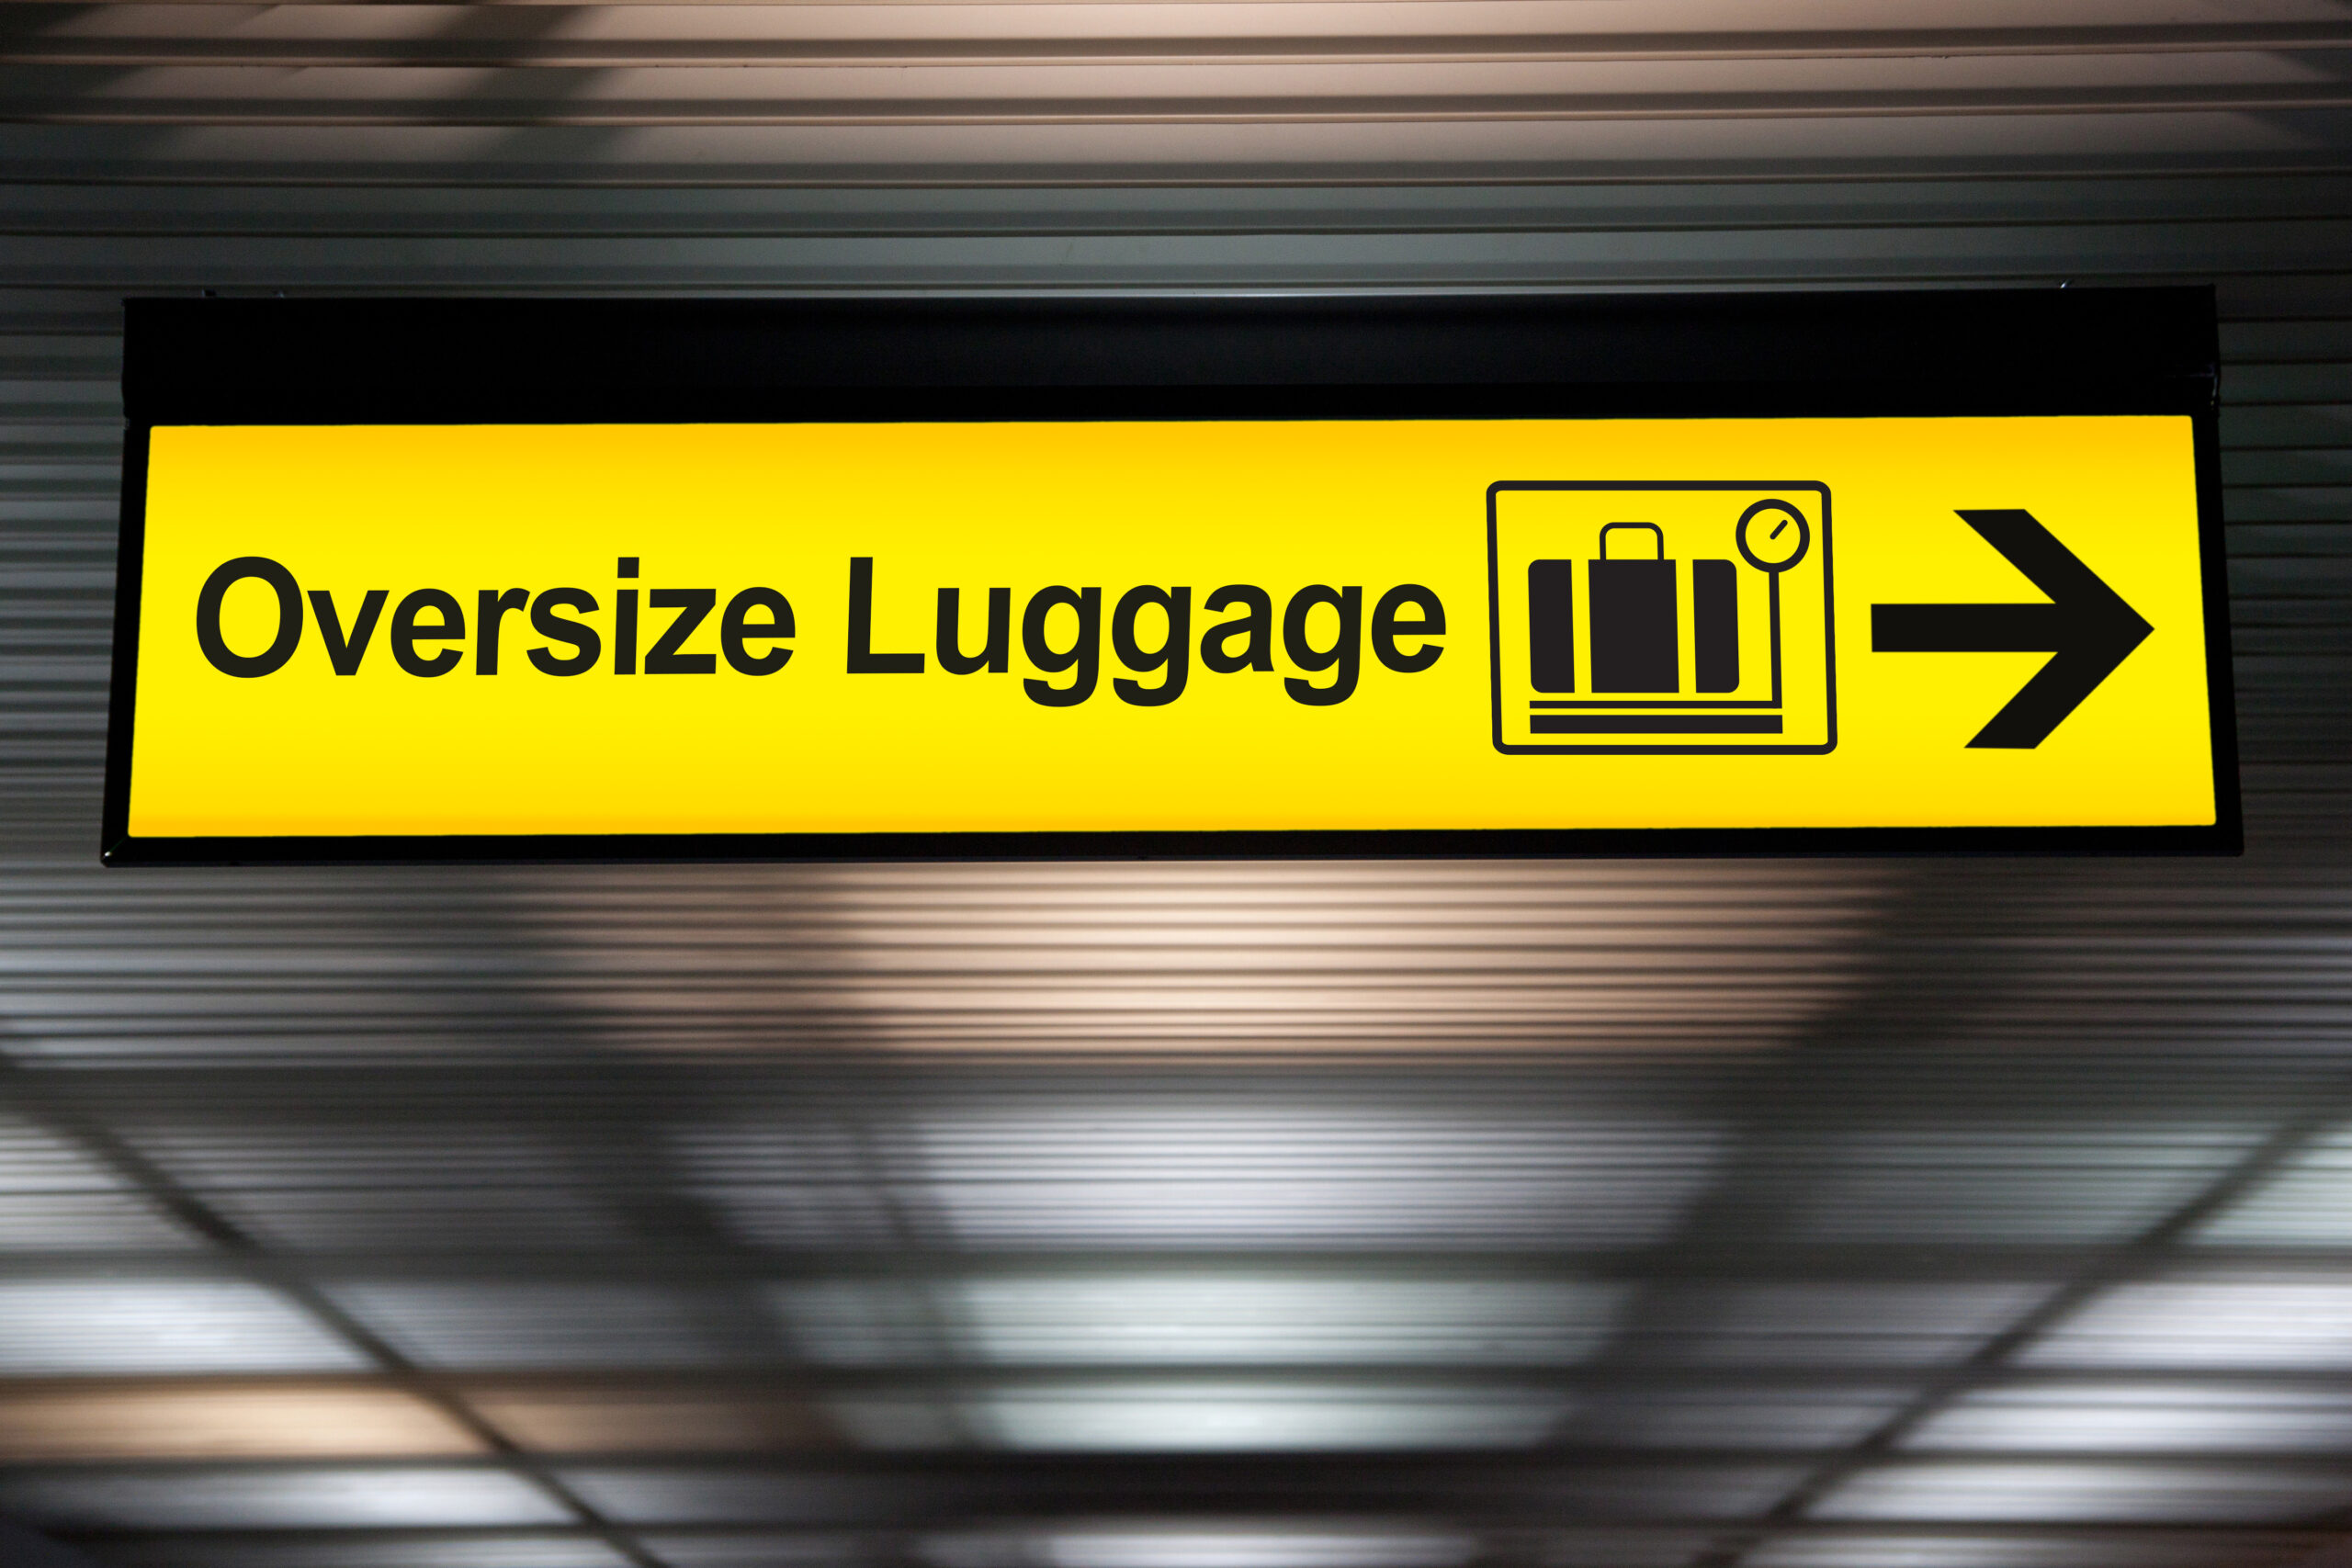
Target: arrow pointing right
x=2086, y=628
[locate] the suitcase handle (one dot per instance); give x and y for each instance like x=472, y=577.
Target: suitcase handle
x=1612, y=527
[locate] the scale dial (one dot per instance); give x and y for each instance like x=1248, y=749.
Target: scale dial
x=1773, y=535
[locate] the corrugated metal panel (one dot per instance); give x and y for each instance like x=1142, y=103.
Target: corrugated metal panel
x=1831, y=1215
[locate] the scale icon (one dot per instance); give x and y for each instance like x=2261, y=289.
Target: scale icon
x=1661, y=616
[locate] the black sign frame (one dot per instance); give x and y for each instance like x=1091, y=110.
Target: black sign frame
x=438, y=361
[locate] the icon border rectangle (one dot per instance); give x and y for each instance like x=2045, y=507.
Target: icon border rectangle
x=1495, y=621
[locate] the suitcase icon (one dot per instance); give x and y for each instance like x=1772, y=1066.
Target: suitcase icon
x=1634, y=609
x=1636, y=637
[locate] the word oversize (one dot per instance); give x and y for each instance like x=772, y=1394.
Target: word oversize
x=1061, y=632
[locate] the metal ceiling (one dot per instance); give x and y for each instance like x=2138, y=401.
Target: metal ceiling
x=1837, y=1214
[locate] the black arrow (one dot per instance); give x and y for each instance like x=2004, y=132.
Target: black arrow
x=2086, y=629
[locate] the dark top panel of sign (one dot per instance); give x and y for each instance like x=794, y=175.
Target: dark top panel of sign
x=478, y=361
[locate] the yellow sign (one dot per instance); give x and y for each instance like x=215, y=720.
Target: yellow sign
x=1170, y=626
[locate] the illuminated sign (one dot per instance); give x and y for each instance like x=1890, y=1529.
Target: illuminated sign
x=1160, y=630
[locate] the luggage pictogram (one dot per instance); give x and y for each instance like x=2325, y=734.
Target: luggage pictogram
x=1634, y=622
x=1651, y=649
